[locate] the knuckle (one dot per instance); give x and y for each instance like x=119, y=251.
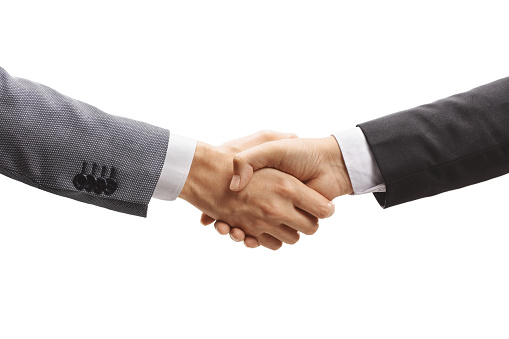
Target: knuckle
x=266, y=134
x=284, y=187
x=323, y=211
x=237, y=159
x=271, y=211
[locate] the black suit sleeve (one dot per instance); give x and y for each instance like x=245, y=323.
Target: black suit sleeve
x=451, y=143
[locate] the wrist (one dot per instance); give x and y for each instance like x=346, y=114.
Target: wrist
x=334, y=156
x=199, y=167
x=208, y=170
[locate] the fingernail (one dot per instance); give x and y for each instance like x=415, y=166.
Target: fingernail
x=235, y=182
x=332, y=209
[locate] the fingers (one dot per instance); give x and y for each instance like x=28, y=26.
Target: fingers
x=222, y=227
x=285, y=234
x=281, y=233
x=251, y=242
x=237, y=234
x=302, y=222
x=244, y=163
x=267, y=240
x=206, y=220
x=289, y=235
x=310, y=206
x=313, y=202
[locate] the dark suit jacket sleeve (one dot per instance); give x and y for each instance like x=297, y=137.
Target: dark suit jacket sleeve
x=48, y=139
x=445, y=145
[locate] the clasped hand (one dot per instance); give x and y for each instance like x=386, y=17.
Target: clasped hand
x=266, y=188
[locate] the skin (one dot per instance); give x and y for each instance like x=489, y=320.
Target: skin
x=316, y=162
x=273, y=209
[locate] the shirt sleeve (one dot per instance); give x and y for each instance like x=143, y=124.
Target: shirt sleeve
x=360, y=162
x=177, y=164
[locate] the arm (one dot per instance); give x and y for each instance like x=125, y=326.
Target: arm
x=72, y=149
x=66, y=147
x=451, y=143
x=434, y=148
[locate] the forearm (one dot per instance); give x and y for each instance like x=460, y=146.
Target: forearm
x=448, y=144
x=45, y=137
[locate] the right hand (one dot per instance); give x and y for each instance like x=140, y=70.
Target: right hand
x=272, y=210
x=316, y=162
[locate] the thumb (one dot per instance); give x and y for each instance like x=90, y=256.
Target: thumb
x=248, y=161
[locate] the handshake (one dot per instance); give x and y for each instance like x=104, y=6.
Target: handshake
x=266, y=188
x=262, y=189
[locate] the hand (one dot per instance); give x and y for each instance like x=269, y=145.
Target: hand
x=316, y=162
x=271, y=210
x=242, y=144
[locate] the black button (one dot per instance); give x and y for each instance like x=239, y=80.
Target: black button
x=111, y=186
x=80, y=181
x=100, y=185
x=92, y=182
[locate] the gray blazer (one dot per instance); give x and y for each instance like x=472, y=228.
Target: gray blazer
x=67, y=147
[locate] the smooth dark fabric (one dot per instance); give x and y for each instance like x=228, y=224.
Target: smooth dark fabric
x=451, y=143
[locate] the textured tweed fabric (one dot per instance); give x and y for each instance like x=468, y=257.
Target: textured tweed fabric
x=45, y=137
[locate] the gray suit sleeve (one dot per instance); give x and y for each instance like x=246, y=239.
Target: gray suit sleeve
x=67, y=147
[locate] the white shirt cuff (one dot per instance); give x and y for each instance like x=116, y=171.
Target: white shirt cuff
x=177, y=164
x=360, y=162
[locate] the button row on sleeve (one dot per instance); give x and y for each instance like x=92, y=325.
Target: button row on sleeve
x=98, y=185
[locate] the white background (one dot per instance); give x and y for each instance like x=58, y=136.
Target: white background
x=217, y=70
